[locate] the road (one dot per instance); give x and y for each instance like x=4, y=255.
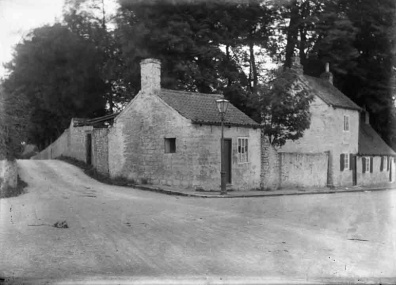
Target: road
x=124, y=235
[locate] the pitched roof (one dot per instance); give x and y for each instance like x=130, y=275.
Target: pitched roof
x=330, y=94
x=201, y=108
x=370, y=143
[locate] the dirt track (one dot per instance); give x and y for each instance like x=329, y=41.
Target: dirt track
x=117, y=233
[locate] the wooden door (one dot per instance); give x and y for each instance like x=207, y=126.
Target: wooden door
x=88, y=146
x=354, y=169
x=227, y=159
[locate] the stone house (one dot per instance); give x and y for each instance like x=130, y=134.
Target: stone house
x=336, y=130
x=168, y=137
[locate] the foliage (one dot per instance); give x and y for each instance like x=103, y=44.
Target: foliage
x=89, y=64
x=284, y=107
x=14, y=116
x=58, y=73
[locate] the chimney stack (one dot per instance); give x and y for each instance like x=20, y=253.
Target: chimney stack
x=327, y=75
x=150, y=73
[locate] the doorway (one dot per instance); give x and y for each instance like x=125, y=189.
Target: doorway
x=227, y=159
x=88, y=148
x=354, y=169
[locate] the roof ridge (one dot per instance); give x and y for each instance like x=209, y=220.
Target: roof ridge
x=330, y=94
x=192, y=92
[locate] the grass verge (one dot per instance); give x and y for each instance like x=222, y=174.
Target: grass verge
x=93, y=173
x=13, y=192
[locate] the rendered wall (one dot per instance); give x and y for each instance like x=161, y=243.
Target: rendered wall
x=303, y=170
x=136, y=148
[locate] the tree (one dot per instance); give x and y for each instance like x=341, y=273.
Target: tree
x=90, y=20
x=59, y=74
x=13, y=124
x=284, y=107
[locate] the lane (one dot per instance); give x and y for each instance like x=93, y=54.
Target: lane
x=123, y=232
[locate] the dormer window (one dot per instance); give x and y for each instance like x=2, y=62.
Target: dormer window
x=346, y=123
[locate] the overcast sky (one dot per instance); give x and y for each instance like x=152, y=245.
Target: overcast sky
x=18, y=17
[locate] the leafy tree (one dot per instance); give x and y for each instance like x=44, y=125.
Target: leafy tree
x=90, y=20
x=284, y=107
x=59, y=74
x=13, y=124
x=14, y=121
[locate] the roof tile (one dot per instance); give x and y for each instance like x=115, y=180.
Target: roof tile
x=201, y=108
x=370, y=142
x=330, y=94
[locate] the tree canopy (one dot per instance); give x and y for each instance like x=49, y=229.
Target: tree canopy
x=88, y=64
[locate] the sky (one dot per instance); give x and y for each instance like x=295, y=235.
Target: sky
x=18, y=17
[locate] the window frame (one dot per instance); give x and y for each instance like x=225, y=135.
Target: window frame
x=368, y=164
x=168, y=143
x=347, y=165
x=243, y=149
x=347, y=125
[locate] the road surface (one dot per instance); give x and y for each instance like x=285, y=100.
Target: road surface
x=119, y=234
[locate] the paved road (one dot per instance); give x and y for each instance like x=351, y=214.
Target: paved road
x=121, y=235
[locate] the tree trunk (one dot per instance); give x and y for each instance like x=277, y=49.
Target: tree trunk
x=292, y=33
x=253, y=68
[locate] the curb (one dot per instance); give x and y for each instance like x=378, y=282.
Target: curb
x=274, y=194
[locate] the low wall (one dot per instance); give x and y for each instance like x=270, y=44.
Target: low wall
x=303, y=170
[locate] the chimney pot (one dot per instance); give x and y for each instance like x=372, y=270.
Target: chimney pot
x=150, y=72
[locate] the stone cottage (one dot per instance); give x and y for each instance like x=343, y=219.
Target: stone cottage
x=336, y=130
x=169, y=137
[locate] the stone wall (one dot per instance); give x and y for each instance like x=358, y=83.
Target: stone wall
x=136, y=148
x=326, y=133
x=270, y=168
x=57, y=148
x=303, y=170
x=100, y=155
x=78, y=147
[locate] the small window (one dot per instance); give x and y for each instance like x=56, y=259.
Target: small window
x=385, y=164
x=243, y=150
x=170, y=145
x=346, y=123
x=367, y=164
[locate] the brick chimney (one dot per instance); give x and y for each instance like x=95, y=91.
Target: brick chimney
x=327, y=75
x=150, y=73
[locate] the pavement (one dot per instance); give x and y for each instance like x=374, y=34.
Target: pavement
x=262, y=193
